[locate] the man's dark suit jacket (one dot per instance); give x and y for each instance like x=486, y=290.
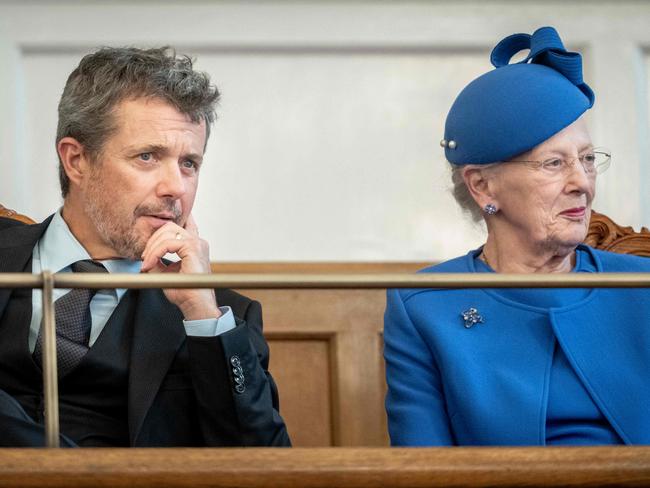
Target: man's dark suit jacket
x=181, y=389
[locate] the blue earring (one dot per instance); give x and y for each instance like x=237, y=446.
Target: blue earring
x=490, y=209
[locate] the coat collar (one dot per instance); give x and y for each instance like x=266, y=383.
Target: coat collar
x=16, y=246
x=19, y=241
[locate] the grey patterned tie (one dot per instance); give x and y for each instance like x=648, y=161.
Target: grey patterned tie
x=73, y=323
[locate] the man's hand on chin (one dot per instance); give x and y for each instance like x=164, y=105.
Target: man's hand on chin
x=195, y=304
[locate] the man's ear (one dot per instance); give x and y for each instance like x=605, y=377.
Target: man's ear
x=480, y=183
x=74, y=159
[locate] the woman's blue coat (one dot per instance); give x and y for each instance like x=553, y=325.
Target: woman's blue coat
x=488, y=385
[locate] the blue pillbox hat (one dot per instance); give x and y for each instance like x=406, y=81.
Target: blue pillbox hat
x=515, y=107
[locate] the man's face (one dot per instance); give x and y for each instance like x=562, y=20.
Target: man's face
x=145, y=176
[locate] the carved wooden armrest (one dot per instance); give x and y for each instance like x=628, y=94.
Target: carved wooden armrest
x=607, y=235
x=12, y=214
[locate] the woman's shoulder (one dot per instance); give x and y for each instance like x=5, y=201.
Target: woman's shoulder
x=460, y=264
x=612, y=262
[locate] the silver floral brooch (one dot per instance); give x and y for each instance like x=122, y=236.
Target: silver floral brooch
x=471, y=317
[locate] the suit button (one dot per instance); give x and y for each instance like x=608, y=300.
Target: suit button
x=238, y=374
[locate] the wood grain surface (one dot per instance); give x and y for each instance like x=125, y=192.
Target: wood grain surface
x=326, y=467
x=12, y=214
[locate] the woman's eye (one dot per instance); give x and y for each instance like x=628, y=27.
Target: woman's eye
x=552, y=164
x=589, y=158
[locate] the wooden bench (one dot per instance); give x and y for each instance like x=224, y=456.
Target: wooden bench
x=326, y=467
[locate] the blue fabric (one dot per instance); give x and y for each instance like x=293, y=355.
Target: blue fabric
x=572, y=417
x=545, y=297
x=515, y=107
x=489, y=384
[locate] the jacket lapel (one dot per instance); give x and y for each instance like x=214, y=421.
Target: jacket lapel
x=607, y=342
x=158, y=334
x=158, y=329
x=16, y=245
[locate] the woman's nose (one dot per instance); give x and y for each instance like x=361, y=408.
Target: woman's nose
x=579, y=177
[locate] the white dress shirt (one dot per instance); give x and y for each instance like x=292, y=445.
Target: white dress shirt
x=58, y=249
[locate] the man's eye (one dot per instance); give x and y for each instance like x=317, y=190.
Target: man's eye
x=146, y=156
x=189, y=164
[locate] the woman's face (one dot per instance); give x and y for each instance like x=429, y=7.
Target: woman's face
x=548, y=210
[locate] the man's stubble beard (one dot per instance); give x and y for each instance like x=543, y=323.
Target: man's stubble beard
x=115, y=224
x=116, y=228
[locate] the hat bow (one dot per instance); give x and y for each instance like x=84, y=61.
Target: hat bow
x=546, y=49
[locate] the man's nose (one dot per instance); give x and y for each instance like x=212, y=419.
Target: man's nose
x=171, y=183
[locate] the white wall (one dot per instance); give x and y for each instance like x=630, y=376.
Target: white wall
x=327, y=142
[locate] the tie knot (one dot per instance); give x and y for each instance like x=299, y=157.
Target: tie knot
x=88, y=266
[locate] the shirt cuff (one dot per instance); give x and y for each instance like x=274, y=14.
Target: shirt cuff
x=211, y=327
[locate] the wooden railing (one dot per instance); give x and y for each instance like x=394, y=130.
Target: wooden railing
x=326, y=467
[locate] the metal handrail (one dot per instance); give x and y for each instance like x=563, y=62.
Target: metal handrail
x=50, y=370
x=48, y=281
x=330, y=281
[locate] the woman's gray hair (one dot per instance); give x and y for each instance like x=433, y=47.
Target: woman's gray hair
x=109, y=76
x=461, y=193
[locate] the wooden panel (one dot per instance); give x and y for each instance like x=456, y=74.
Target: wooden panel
x=353, y=320
x=301, y=369
x=352, y=468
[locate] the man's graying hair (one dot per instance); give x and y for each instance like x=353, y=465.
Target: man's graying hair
x=111, y=75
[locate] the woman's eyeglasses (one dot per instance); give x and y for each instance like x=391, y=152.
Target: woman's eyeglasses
x=595, y=161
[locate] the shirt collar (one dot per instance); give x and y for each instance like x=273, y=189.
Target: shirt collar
x=59, y=249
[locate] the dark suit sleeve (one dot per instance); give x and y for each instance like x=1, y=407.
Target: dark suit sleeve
x=237, y=400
